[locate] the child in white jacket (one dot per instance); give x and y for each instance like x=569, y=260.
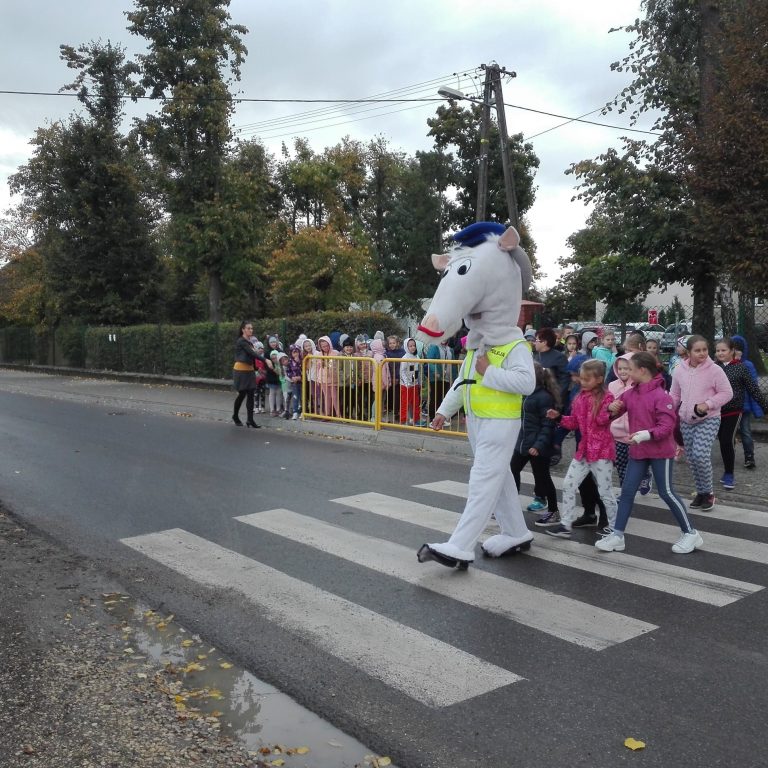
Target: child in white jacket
x=410, y=384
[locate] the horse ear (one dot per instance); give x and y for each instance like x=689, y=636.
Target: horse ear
x=509, y=240
x=440, y=261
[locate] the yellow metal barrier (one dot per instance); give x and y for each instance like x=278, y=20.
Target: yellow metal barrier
x=392, y=393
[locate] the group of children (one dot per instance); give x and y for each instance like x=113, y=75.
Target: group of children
x=330, y=385
x=640, y=423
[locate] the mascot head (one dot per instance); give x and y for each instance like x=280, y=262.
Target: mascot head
x=484, y=277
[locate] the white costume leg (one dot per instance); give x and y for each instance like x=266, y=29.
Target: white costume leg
x=490, y=487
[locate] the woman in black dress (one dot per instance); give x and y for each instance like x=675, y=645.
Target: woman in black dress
x=244, y=376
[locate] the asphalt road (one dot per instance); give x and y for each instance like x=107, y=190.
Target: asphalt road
x=686, y=676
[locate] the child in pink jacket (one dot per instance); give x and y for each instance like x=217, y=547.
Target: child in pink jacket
x=651, y=416
x=596, y=451
x=699, y=389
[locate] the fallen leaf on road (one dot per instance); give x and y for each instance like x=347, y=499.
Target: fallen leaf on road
x=634, y=744
x=225, y=665
x=187, y=643
x=301, y=750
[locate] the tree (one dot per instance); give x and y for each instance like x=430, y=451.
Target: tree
x=191, y=45
x=84, y=194
x=413, y=231
x=674, y=60
x=610, y=270
x=457, y=128
x=318, y=269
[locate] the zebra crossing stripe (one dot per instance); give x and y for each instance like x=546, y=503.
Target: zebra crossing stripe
x=730, y=546
x=663, y=577
x=720, y=512
x=563, y=617
x=421, y=667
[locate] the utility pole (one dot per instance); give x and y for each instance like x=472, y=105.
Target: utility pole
x=492, y=94
x=482, y=170
x=509, y=179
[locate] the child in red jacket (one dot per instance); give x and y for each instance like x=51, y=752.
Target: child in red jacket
x=652, y=418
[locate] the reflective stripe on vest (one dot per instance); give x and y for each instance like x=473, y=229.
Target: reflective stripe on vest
x=490, y=403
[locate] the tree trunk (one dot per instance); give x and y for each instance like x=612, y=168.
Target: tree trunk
x=704, y=282
x=214, y=296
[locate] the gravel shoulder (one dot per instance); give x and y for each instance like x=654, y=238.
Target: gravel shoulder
x=72, y=695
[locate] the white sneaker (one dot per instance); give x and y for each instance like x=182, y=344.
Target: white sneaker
x=295, y=416
x=687, y=543
x=613, y=542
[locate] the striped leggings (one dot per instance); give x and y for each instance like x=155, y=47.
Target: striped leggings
x=698, y=439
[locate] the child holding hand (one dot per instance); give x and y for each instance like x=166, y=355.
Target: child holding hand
x=651, y=415
x=596, y=451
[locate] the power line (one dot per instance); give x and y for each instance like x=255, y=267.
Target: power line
x=391, y=100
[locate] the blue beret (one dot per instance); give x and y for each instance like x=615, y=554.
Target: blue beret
x=475, y=234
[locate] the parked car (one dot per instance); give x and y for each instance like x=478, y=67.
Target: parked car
x=651, y=331
x=671, y=335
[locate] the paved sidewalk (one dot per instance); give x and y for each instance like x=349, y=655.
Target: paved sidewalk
x=199, y=398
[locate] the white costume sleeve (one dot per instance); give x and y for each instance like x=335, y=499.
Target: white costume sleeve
x=516, y=373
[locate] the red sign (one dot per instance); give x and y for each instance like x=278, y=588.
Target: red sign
x=653, y=316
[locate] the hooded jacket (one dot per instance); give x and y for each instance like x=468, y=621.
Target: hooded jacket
x=325, y=369
x=706, y=383
x=377, y=348
x=620, y=425
x=750, y=406
x=410, y=372
x=536, y=430
x=649, y=406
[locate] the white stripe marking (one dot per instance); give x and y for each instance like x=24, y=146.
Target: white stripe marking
x=565, y=618
x=663, y=577
x=730, y=546
x=720, y=512
x=426, y=669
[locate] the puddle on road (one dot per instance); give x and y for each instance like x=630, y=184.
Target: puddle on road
x=203, y=683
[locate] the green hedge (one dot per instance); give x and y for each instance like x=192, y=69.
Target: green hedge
x=201, y=350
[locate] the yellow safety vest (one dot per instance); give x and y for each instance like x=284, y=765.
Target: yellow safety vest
x=490, y=403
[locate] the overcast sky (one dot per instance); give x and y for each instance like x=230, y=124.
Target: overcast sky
x=326, y=49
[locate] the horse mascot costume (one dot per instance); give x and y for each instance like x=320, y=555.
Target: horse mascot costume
x=483, y=280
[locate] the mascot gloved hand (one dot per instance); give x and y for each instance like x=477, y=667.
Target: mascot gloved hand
x=484, y=277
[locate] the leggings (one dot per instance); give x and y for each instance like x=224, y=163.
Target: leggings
x=247, y=395
x=698, y=439
x=729, y=426
x=602, y=469
x=637, y=469
x=275, y=397
x=540, y=468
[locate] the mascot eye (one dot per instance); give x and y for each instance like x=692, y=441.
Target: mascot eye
x=464, y=267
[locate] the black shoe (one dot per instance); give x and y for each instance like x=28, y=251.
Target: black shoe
x=554, y=459
x=698, y=500
x=252, y=423
x=585, y=521
x=749, y=462
x=237, y=421
x=602, y=522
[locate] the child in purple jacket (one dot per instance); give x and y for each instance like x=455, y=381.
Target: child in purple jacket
x=652, y=418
